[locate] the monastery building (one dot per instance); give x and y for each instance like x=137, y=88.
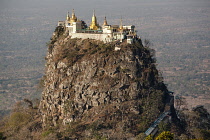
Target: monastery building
x=107, y=33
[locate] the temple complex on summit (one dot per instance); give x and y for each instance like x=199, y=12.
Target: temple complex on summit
x=107, y=33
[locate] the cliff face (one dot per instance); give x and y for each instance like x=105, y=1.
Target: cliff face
x=115, y=85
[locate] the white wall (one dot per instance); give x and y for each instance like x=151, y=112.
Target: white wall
x=102, y=37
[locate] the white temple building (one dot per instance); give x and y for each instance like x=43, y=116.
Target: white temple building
x=107, y=33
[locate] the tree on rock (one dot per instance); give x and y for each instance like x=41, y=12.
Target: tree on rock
x=149, y=137
x=165, y=135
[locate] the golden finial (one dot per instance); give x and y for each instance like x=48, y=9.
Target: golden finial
x=94, y=24
x=73, y=14
x=67, y=16
x=73, y=18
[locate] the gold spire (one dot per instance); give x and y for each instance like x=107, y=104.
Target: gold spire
x=68, y=17
x=73, y=14
x=94, y=20
x=94, y=25
x=105, y=21
x=73, y=17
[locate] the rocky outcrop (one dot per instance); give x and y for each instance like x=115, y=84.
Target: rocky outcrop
x=88, y=81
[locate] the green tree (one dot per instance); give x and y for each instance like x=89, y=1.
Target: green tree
x=165, y=135
x=149, y=137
